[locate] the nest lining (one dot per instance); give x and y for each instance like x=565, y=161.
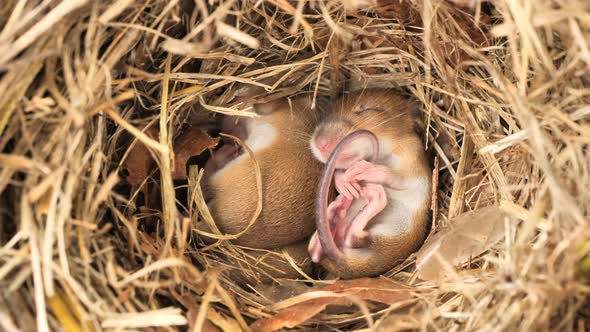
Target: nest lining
x=503, y=89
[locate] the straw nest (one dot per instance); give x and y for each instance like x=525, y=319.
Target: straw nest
x=504, y=91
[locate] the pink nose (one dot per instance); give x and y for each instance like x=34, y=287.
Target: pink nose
x=323, y=144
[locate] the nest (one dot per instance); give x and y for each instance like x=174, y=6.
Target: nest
x=504, y=93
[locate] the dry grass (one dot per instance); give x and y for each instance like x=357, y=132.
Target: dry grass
x=505, y=92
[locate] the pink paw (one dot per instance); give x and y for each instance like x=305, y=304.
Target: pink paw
x=374, y=194
x=315, y=248
x=376, y=199
x=336, y=215
x=338, y=208
x=372, y=173
x=347, y=182
x=346, y=185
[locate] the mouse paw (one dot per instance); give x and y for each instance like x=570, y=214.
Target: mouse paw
x=315, y=248
x=379, y=174
x=376, y=199
x=347, y=185
x=338, y=208
x=349, y=180
x=375, y=196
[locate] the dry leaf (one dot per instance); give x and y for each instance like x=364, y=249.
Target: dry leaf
x=403, y=11
x=303, y=307
x=191, y=142
x=139, y=161
x=276, y=293
x=469, y=235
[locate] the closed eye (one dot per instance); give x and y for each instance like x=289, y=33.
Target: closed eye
x=374, y=109
x=363, y=109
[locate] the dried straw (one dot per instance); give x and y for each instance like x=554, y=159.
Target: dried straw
x=505, y=99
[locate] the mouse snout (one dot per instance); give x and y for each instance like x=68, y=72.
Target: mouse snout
x=322, y=146
x=326, y=144
x=325, y=139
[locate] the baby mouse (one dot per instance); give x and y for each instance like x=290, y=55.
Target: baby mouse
x=279, y=139
x=381, y=215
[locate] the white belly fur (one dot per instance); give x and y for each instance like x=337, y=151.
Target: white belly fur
x=402, y=206
x=260, y=136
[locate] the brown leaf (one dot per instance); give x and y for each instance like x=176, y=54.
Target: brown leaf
x=380, y=290
x=191, y=142
x=469, y=235
x=139, y=161
x=276, y=293
x=299, y=309
x=403, y=11
x=453, y=51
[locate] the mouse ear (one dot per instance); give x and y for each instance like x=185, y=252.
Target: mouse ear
x=264, y=108
x=250, y=103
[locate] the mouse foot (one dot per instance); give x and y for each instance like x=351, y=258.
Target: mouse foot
x=315, y=248
x=338, y=208
x=377, y=174
x=376, y=199
x=336, y=214
x=347, y=182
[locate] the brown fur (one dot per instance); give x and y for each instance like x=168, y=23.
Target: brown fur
x=391, y=118
x=289, y=180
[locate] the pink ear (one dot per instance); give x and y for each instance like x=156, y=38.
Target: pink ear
x=264, y=108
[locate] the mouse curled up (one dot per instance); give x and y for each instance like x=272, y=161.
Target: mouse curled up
x=381, y=214
x=278, y=138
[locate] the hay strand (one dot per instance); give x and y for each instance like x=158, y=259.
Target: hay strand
x=503, y=90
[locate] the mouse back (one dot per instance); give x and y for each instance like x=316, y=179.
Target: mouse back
x=289, y=179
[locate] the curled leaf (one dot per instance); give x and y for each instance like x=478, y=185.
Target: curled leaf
x=298, y=309
x=276, y=293
x=403, y=11
x=191, y=142
x=139, y=161
x=469, y=235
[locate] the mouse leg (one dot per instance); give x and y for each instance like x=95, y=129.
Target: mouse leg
x=376, y=199
x=344, y=216
x=336, y=216
x=346, y=184
x=374, y=173
x=315, y=248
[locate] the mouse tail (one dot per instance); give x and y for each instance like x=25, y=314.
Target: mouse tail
x=322, y=223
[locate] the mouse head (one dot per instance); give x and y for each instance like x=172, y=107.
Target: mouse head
x=382, y=111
